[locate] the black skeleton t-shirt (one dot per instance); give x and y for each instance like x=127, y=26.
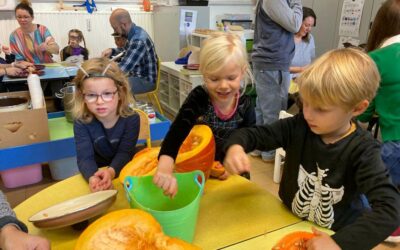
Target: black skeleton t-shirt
x=331, y=184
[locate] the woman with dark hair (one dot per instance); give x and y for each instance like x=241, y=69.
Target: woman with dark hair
x=384, y=48
x=31, y=42
x=304, y=42
x=386, y=27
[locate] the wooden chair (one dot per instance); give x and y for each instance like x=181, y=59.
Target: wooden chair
x=280, y=153
x=144, y=133
x=153, y=95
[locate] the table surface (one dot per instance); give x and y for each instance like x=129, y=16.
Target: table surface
x=268, y=240
x=51, y=71
x=231, y=211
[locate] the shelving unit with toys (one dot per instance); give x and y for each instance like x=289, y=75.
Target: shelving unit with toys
x=175, y=84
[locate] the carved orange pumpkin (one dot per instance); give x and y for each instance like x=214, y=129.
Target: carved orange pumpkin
x=128, y=229
x=143, y=163
x=197, y=152
x=294, y=241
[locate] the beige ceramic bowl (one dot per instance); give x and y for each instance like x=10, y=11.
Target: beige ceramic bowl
x=75, y=210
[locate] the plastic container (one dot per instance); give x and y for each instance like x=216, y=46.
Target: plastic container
x=177, y=216
x=64, y=168
x=35, y=90
x=67, y=94
x=10, y=104
x=22, y=176
x=146, y=5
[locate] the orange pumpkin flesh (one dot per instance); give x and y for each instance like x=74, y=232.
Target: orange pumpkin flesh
x=217, y=169
x=294, y=241
x=197, y=152
x=143, y=163
x=125, y=229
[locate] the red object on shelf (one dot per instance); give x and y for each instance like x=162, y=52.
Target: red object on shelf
x=146, y=5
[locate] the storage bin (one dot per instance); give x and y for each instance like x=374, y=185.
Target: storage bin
x=22, y=176
x=63, y=168
x=177, y=216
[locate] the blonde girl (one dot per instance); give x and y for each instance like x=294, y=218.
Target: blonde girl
x=75, y=38
x=106, y=129
x=218, y=103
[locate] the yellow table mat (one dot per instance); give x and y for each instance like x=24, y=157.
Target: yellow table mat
x=230, y=211
x=63, y=238
x=235, y=210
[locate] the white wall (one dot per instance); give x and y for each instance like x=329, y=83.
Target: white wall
x=328, y=13
x=325, y=33
x=95, y=27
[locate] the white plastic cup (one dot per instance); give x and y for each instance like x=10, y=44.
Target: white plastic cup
x=35, y=90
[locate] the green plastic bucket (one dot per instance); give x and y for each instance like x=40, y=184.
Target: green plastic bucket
x=177, y=216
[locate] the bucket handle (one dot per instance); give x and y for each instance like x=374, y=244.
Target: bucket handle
x=199, y=175
x=128, y=185
x=59, y=95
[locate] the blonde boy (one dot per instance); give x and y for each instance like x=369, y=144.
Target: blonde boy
x=331, y=163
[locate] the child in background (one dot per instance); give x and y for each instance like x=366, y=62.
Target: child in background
x=120, y=40
x=10, y=58
x=106, y=129
x=218, y=103
x=75, y=37
x=330, y=161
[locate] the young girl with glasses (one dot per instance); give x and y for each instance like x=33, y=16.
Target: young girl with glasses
x=218, y=103
x=106, y=129
x=75, y=38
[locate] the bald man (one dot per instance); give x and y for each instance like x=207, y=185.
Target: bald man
x=140, y=59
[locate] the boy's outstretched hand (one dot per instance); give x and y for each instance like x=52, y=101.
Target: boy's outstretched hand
x=321, y=241
x=236, y=160
x=164, y=177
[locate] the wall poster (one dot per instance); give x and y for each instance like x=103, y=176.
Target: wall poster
x=351, y=17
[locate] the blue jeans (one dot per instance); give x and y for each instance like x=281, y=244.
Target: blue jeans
x=140, y=85
x=272, y=96
x=390, y=153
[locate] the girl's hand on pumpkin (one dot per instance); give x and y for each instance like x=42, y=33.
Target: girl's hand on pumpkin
x=236, y=160
x=164, y=177
x=321, y=241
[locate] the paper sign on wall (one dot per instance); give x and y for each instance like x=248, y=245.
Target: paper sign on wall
x=349, y=41
x=351, y=18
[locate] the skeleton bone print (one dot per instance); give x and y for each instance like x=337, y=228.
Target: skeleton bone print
x=314, y=200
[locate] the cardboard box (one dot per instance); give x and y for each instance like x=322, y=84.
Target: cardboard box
x=23, y=127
